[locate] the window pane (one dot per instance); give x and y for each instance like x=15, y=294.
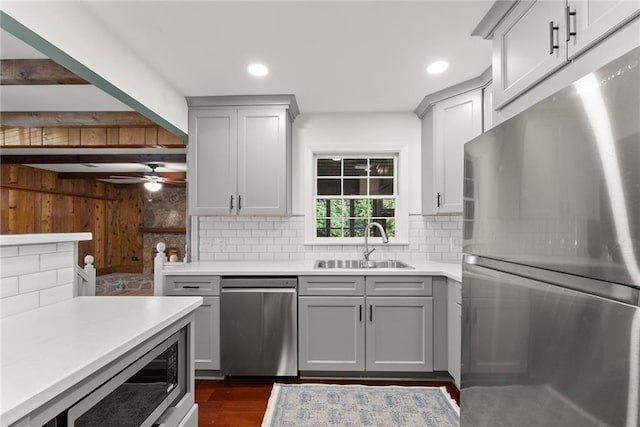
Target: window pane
x=336, y=208
x=355, y=187
x=383, y=207
x=321, y=208
x=335, y=232
x=356, y=227
x=355, y=167
x=329, y=167
x=388, y=224
x=382, y=167
x=321, y=228
x=329, y=187
x=359, y=208
x=381, y=186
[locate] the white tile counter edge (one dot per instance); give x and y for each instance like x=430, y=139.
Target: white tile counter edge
x=305, y=268
x=32, y=239
x=49, y=350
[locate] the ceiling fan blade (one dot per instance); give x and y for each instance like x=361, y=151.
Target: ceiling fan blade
x=141, y=179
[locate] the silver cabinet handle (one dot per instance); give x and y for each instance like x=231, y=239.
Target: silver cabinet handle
x=239, y=202
x=231, y=202
x=552, y=45
x=360, y=311
x=568, y=14
x=371, y=313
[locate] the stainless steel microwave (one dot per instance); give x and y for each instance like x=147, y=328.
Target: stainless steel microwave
x=139, y=394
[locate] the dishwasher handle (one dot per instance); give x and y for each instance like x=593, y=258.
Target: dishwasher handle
x=258, y=290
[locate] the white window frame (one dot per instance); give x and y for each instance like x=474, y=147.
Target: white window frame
x=401, y=209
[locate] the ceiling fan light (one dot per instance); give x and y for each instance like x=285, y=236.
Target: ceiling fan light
x=153, y=186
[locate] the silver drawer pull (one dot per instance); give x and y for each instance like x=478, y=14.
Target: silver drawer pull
x=191, y=286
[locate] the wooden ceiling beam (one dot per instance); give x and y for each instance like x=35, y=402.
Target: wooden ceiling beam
x=34, y=159
x=36, y=72
x=107, y=175
x=49, y=119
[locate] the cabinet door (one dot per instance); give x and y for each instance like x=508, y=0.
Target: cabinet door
x=500, y=337
x=212, y=161
x=399, y=334
x=522, y=45
x=331, y=333
x=262, y=161
x=457, y=121
x=595, y=19
x=207, y=334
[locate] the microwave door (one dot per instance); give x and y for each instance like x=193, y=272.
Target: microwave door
x=535, y=353
x=139, y=394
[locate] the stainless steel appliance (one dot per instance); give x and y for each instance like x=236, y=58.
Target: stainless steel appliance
x=137, y=396
x=551, y=279
x=258, y=321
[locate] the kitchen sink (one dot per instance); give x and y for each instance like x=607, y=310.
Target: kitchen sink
x=359, y=263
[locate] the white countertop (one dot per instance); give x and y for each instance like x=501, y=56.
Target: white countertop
x=37, y=238
x=305, y=268
x=48, y=350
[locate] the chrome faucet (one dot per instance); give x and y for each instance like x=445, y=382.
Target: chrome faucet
x=366, y=252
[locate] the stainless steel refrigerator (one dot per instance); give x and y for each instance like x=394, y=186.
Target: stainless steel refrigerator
x=551, y=272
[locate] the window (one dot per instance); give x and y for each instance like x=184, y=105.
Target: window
x=352, y=191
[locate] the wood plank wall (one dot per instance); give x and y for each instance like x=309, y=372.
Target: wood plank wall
x=36, y=201
x=90, y=137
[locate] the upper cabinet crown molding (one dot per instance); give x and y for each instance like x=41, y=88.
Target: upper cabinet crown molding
x=494, y=16
x=286, y=101
x=430, y=100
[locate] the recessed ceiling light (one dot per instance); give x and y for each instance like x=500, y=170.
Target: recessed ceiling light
x=437, y=67
x=258, y=70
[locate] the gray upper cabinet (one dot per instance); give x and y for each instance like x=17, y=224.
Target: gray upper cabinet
x=591, y=20
x=446, y=126
x=240, y=155
x=537, y=37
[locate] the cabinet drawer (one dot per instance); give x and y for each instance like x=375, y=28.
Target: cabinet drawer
x=331, y=285
x=192, y=285
x=400, y=285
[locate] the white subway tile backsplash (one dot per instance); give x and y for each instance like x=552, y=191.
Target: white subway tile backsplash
x=16, y=266
x=66, y=275
x=7, y=251
x=282, y=238
x=19, y=304
x=56, y=260
x=8, y=286
x=66, y=246
x=53, y=295
x=36, y=275
x=37, y=281
x=37, y=249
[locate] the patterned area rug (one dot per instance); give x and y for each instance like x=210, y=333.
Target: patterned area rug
x=358, y=405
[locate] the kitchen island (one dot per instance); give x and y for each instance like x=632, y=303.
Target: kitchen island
x=55, y=355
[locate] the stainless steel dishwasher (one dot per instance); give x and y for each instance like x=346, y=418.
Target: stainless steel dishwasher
x=258, y=321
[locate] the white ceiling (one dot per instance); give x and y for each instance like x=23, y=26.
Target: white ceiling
x=334, y=56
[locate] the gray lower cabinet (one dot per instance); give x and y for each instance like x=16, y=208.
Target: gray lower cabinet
x=399, y=334
x=349, y=331
x=331, y=333
x=207, y=334
x=454, y=326
x=207, y=316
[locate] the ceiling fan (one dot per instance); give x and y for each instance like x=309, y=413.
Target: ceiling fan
x=152, y=180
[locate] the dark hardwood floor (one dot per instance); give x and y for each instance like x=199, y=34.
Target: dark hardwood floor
x=242, y=402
